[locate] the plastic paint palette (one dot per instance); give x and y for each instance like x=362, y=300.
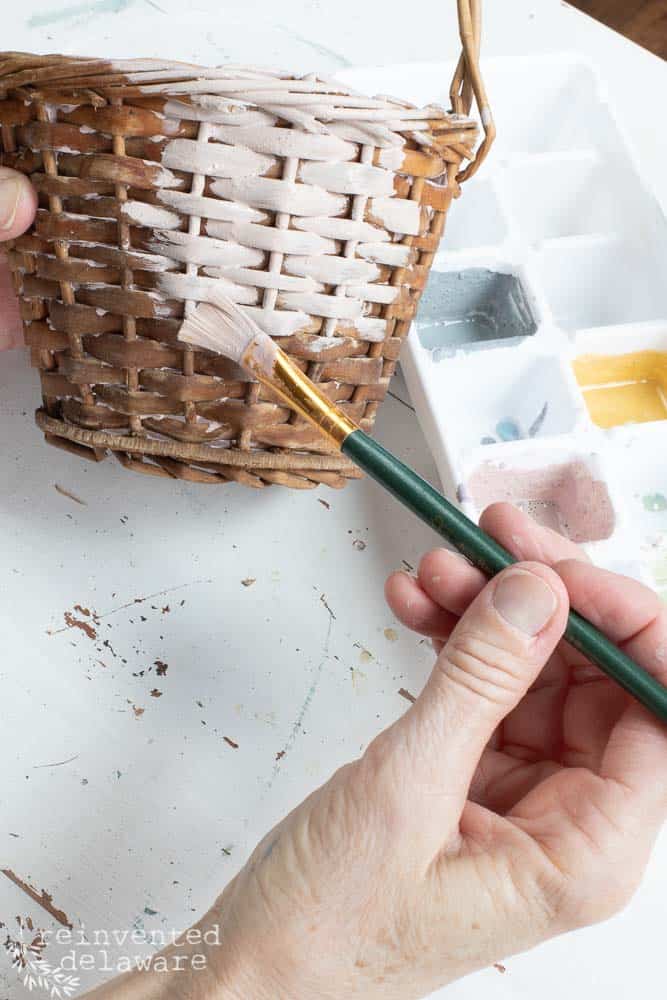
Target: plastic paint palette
x=538, y=360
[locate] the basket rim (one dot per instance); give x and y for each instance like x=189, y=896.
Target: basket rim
x=38, y=76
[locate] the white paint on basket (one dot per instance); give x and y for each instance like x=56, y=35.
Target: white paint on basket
x=286, y=142
x=349, y=178
x=342, y=229
x=203, y=108
x=280, y=196
x=384, y=294
x=393, y=254
x=199, y=289
x=398, y=215
x=329, y=306
x=210, y=208
x=392, y=158
x=215, y=159
x=142, y=214
x=287, y=241
x=265, y=279
x=203, y=250
x=332, y=270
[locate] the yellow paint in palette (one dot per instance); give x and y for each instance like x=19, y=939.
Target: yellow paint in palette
x=623, y=388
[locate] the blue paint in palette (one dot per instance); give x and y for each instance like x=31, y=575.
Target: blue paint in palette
x=472, y=308
x=508, y=430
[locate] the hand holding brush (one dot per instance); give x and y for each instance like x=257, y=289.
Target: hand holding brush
x=517, y=798
x=223, y=326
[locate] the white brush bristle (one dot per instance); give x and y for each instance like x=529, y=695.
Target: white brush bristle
x=221, y=325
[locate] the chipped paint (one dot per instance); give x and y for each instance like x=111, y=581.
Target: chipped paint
x=43, y=898
x=67, y=493
x=73, y=622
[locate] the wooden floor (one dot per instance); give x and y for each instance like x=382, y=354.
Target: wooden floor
x=644, y=21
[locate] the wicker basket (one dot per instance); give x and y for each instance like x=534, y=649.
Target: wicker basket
x=318, y=209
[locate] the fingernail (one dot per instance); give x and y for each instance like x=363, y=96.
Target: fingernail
x=10, y=192
x=524, y=601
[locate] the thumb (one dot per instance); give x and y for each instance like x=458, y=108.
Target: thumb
x=493, y=655
x=18, y=202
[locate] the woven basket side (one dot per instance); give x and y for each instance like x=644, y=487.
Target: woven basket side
x=156, y=184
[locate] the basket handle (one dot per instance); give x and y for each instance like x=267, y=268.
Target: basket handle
x=467, y=81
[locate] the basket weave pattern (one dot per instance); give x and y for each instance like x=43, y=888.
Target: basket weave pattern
x=317, y=209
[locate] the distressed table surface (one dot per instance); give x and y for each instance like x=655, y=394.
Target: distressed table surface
x=183, y=664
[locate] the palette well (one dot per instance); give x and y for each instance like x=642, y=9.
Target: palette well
x=570, y=497
x=624, y=388
x=643, y=474
x=538, y=360
x=473, y=307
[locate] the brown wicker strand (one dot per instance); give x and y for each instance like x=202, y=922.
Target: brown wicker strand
x=129, y=322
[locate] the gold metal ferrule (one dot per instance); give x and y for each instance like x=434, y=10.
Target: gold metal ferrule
x=296, y=389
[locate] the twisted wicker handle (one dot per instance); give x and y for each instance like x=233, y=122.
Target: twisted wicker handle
x=467, y=81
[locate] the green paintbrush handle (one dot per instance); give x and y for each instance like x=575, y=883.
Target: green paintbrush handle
x=483, y=552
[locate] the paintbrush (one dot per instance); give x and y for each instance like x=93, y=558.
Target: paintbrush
x=222, y=326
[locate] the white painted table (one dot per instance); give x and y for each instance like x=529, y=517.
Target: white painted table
x=120, y=795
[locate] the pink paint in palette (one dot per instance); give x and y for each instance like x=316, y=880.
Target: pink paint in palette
x=568, y=497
